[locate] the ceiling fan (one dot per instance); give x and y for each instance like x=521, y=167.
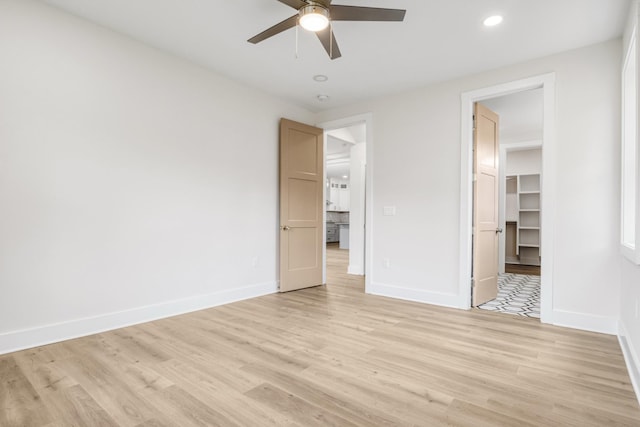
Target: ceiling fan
x=316, y=16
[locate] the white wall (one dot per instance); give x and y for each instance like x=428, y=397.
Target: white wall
x=524, y=162
x=630, y=319
x=357, y=208
x=630, y=292
x=416, y=167
x=133, y=184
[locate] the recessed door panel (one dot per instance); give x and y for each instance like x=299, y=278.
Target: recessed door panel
x=302, y=150
x=306, y=239
x=487, y=132
x=303, y=200
x=487, y=244
x=487, y=188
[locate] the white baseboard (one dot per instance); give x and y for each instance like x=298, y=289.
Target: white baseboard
x=582, y=321
x=416, y=295
x=355, y=269
x=48, y=334
x=586, y=322
x=631, y=358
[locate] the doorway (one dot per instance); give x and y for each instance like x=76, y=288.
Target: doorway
x=545, y=83
x=520, y=251
x=519, y=208
x=347, y=194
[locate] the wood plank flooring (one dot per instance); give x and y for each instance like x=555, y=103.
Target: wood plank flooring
x=326, y=356
x=529, y=270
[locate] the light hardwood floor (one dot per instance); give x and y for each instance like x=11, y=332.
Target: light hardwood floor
x=327, y=356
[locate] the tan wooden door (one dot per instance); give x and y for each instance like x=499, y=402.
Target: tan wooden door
x=485, y=205
x=301, y=205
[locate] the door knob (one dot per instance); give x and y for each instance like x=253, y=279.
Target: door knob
x=284, y=227
x=498, y=230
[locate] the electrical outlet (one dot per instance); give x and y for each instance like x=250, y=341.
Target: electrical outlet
x=389, y=211
x=386, y=263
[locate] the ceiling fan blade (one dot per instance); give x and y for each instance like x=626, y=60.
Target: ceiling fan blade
x=357, y=13
x=328, y=40
x=276, y=29
x=296, y=4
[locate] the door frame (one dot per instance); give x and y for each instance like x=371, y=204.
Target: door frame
x=548, y=178
x=367, y=119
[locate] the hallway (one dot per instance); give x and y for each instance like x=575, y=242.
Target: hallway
x=337, y=265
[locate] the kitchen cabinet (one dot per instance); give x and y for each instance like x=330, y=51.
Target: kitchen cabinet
x=332, y=233
x=339, y=194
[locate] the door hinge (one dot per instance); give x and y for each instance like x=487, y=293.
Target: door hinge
x=474, y=122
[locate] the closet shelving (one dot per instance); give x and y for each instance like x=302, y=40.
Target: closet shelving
x=528, y=229
x=523, y=208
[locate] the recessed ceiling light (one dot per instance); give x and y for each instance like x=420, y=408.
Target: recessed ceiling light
x=345, y=176
x=320, y=78
x=492, y=21
x=323, y=98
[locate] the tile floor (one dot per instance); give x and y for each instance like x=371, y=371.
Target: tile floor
x=517, y=294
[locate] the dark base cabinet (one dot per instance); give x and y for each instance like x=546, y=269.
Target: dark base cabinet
x=332, y=233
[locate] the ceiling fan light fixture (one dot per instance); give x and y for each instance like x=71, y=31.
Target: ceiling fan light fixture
x=314, y=17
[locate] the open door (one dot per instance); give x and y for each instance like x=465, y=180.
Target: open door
x=301, y=205
x=485, y=205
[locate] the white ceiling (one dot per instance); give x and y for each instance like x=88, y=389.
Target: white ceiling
x=439, y=40
x=339, y=143
x=339, y=169
x=521, y=115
